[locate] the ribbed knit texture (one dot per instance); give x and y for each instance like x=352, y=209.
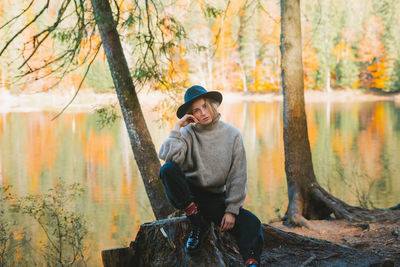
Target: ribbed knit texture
x=212, y=157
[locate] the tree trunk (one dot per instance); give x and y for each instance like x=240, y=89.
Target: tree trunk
x=328, y=81
x=118, y=257
x=161, y=243
x=307, y=199
x=298, y=162
x=142, y=145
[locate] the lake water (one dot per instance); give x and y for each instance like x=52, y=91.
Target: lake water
x=355, y=146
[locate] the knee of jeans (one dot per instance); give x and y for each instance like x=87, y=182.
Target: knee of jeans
x=168, y=168
x=256, y=223
x=250, y=219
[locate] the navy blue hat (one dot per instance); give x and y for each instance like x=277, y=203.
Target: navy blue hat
x=194, y=93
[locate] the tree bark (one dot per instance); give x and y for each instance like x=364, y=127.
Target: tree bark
x=161, y=243
x=307, y=199
x=298, y=162
x=142, y=145
x=118, y=257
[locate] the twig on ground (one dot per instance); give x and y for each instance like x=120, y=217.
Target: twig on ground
x=309, y=260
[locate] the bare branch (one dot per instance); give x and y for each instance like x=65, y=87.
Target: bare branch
x=48, y=30
x=216, y=42
x=47, y=63
x=266, y=12
x=19, y=15
x=81, y=83
x=25, y=27
x=118, y=12
x=34, y=50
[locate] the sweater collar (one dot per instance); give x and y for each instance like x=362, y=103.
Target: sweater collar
x=209, y=126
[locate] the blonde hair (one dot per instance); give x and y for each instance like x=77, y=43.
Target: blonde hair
x=211, y=104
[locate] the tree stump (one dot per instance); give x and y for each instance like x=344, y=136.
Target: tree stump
x=118, y=257
x=161, y=243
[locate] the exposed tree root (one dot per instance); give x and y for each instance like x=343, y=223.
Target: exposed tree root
x=341, y=210
x=319, y=204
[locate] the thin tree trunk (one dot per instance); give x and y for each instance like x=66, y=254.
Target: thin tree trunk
x=328, y=81
x=142, y=145
x=210, y=71
x=242, y=47
x=244, y=80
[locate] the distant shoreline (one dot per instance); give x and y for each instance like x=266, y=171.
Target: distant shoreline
x=87, y=101
x=314, y=96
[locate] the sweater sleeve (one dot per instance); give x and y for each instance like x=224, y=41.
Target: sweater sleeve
x=174, y=148
x=236, y=184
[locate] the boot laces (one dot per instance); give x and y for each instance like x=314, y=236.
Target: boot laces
x=195, y=233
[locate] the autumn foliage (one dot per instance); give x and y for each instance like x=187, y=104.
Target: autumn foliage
x=230, y=46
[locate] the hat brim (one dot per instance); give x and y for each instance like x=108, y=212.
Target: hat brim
x=217, y=96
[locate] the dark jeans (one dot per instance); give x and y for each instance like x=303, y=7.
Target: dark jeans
x=247, y=229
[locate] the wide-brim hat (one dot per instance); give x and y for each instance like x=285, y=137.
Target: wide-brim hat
x=193, y=93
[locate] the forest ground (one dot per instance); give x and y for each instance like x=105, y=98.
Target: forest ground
x=377, y=236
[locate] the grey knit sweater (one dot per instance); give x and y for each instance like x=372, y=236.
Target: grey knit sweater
x=212, y=157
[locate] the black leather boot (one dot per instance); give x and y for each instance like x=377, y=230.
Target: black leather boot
x=198, y=227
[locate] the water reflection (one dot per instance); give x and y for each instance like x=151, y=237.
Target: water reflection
x=355, y=150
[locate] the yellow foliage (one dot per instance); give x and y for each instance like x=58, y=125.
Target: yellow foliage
x=75, y=80
x=89, y=46
x=356, y=84
x=270, y=35
x=222, y=29
x=343, y=50
x=310, y=65
x=378, y=71
x=261, y=82
x=126, y=6
x=310, y=59
x=178, y=68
